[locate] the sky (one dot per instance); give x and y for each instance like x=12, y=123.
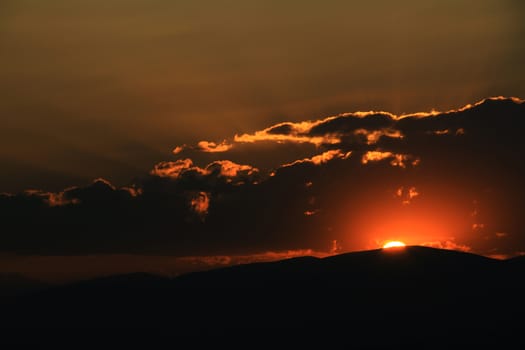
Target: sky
x=234, y=129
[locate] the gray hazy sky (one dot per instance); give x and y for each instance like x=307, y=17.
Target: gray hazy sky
x=106, y=88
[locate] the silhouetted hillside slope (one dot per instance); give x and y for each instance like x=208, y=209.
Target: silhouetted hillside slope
x=417, y=290
x=15, y=284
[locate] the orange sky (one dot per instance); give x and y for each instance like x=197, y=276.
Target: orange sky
x=105, y=88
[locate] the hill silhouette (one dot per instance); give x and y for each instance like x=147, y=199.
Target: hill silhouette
x=13, y=284
x=415, y=290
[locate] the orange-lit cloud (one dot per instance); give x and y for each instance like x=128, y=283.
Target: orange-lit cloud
x=212, y=147
x=322, y=158
x=499, y=256
x=441, y=132
x=53, y=199
x=263, y=135
x=412, y=193
x=407, y=194
x=229, y=169
x=458, y=132
x=478, y=226
x=225, y=260
x=331, y=130
x=374, y=156
x=178, y=149
x=98, y=190
x=447, y=244
x=468, y=106
x=59, y=199
x=134, y=192
x=70, y=196
x=399, y=160
x=172, y=169
x=352, y=132
x=205, y=146
x=327, y=131
x=373, y=136
x=200, y=203
x=224, y=168
x=336, y=247
x=329, y=155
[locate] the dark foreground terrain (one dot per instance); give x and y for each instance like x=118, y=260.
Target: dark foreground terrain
x=413, y=296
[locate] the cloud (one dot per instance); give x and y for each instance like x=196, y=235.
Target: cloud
x=294, y=133
x=99, y=189
x=322, y=158
x=230, y=169
x=52, y=199
x=351, y=185
x=400, y=160
x=412, y=193
x=178, y=149
x=373, y=136
x=226, y=260
x=368, y=127
x=200, y=203
x=219, y=168
x=478, y=226
x=407, y=194
x=447, y=244
x=212, y=147
x=373, y=131
x=205, y=146
x=374, y=156
x=499, y=256
x=173, y=169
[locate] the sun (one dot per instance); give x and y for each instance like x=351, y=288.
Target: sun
x=393, y=244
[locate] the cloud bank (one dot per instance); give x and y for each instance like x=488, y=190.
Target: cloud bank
x=370, y=177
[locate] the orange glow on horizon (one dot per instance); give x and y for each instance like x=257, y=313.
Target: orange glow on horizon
x=393, y=244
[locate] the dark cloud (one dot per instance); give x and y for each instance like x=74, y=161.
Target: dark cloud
x=442, y=179
x=350, y=122
x=281, y=129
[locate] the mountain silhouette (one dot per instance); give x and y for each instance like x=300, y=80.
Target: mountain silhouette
x=380, y=294
x=13, y=284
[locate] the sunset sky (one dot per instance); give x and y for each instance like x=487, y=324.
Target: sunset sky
x=173, y=135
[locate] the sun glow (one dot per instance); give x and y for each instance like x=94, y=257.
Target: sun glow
x=393, y=244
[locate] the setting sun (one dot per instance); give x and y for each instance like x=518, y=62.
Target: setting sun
x=393, y=244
